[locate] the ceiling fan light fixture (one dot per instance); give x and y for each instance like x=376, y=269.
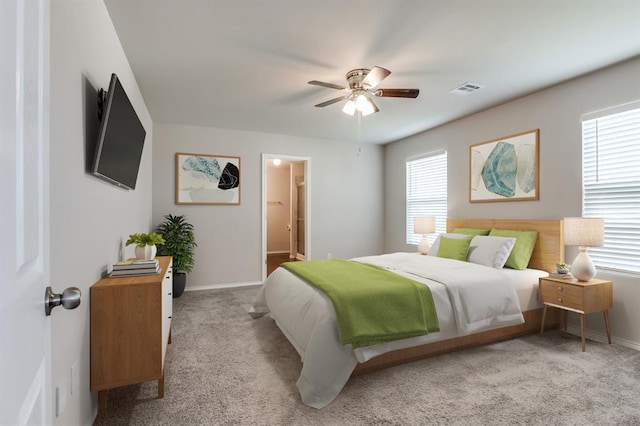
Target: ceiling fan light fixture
x=368, y=108
x=349, y=107
x=361, y=102
x=360, y=91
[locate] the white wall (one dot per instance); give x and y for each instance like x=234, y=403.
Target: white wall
x=90, y=218
x=344, y=184
x=556, y=112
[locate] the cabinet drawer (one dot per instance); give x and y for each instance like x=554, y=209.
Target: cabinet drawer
x=562, y=294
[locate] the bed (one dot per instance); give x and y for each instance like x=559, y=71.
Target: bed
x=307, y=317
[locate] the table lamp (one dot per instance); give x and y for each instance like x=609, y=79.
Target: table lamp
x=424, y=226
x=583, y=232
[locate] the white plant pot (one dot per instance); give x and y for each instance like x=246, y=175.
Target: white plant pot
x=146, y=252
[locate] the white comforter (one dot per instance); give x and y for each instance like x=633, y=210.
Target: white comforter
x=469, y=298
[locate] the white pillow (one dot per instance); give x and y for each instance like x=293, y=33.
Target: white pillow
x=490, y=251
x=433, y=251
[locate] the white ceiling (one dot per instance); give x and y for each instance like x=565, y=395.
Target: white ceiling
x=244, y=64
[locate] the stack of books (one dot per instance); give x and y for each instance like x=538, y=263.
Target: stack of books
x=129, y=268
x=566, y=276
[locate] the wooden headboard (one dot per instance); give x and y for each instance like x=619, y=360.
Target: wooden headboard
x=549, y=248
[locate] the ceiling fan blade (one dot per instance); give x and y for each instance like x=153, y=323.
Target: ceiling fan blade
x=397, y=93
x=375, y=76
x=329, y=85
x=332, y=101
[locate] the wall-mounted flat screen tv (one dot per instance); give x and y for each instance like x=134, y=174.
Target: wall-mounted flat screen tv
x=120, y=138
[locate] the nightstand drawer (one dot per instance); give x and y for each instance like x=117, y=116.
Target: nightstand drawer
x=562, y=294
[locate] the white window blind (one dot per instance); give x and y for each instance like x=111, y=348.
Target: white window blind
x=427, y=192
x=611, y=185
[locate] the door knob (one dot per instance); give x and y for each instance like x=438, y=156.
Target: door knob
x=69, y=299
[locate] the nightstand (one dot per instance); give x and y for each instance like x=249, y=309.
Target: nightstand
x=576, y=296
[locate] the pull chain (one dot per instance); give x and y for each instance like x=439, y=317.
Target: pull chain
x=358, y=132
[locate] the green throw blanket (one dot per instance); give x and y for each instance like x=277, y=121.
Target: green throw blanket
x=373, y=305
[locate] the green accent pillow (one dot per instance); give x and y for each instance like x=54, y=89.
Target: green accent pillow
x=454, y=248
x=522, y=249
x=471, y=231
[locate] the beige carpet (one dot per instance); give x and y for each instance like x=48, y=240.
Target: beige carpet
x=223, y=368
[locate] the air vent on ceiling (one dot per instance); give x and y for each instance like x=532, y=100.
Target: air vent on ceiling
x=466, y=88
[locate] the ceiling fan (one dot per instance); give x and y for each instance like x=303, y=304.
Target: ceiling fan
x=362, y=87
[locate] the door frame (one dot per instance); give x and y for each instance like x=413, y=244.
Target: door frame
x=307, y=226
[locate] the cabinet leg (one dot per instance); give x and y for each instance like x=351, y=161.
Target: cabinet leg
x=103, y=395
x=161, y=387
x=544, y=315
x=582, y=330
x=169, y=336
x=606, y=324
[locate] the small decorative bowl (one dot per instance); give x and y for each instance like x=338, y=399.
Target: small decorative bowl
x=562, y=270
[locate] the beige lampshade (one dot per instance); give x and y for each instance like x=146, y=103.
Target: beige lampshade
x=424, y=225
x=584, y=231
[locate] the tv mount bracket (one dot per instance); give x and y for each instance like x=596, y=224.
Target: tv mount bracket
x=102, y=100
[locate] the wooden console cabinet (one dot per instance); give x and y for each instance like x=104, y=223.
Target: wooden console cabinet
x=130, y=330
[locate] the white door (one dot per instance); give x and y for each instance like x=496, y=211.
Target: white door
x=301, y=201
x=25, y=337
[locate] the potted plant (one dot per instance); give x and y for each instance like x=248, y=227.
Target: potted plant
x=562, y=268
x=145, y=244
x=180, y=243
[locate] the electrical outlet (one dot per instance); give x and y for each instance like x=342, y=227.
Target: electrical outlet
x=75, y=378
x=62, y=392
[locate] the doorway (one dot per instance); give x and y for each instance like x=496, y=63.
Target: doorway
x=285, y=206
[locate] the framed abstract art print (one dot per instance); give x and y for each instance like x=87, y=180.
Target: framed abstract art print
x=207, y=179
x=505, y=169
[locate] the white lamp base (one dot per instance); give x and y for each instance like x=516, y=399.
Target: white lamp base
x=424, y=245
x=582, y=267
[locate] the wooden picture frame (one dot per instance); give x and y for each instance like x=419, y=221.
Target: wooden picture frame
x=204, y=179
x=505, y=169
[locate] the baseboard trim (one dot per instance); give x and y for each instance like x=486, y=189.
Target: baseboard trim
x=222, y=286
x=601, y=337
x=278, y=252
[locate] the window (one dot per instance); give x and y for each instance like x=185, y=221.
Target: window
x=611, y=184
x=427, y=192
